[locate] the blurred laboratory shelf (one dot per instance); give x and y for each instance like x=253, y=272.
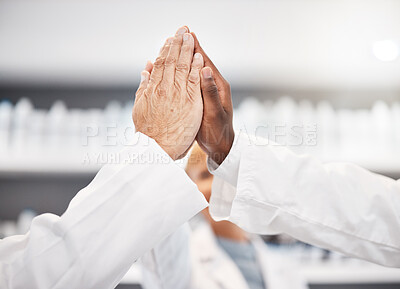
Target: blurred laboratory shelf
x=338, y=273
x=350, y=272
x=387, y=167
x=63, y=140
x=321, y=273
x=75, y=165
x=9, y=166
x=323, y=268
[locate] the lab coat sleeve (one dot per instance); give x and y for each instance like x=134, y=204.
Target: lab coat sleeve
x=123, y=213
x=266, y=189
x=168, y=265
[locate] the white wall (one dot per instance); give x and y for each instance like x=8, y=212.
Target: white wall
x=307, y=44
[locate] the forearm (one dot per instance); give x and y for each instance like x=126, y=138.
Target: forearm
x=336, y=206
x=118, y=217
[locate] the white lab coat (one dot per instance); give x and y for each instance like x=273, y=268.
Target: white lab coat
x=337, y=206
x=192, y=259
x=123, y=213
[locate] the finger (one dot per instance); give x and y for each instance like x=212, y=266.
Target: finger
x=149, y=66
x=222, y=85
x=185, y=60
x=209, y=90
x=193, y=82
x=158, y=66
x=182, y=30
x=172, y=57
x=207, y=60
x=144, y=82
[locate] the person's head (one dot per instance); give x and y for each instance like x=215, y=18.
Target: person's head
x=197, y=170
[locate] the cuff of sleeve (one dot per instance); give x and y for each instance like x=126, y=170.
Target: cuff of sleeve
x=229, y=169
x=222, y=197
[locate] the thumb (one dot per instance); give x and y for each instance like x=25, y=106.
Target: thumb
x=209, y=90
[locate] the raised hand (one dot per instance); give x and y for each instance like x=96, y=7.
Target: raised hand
x=168, y=105
x=216, y=133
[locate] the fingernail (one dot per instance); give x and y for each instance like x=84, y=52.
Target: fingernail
x=181, y=31
x=170, y=40
x=186, y=37
x=207, y=73
x=197, y=55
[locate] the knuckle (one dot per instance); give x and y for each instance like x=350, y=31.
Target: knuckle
x=140, y=92
x=211, y=89
x=182, y=67
x=162, y=91
x=214, y=114
x=194, y=78
x=186, y=49
x=178, y=85
x=159, y=62
x=191, y=90
x=170, y=61
x=197, y=64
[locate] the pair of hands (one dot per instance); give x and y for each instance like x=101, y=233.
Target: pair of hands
x=182, y=97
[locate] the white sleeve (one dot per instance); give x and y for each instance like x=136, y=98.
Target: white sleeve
x=336, y=206
x=119, y=216
x=168, y=265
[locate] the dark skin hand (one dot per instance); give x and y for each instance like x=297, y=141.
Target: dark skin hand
x=216, y=132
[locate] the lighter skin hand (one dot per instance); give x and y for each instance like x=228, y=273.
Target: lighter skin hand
x=168, y=105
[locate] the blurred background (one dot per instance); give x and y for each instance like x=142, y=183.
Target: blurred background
x=321, y=77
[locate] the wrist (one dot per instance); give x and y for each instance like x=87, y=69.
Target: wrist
x=219, y=154
x=176, y=149
x=170, y=150
x=165, y=146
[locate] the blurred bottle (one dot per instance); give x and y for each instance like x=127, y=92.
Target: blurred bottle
x=35, y=132
x=396, y=126
x=22, y=114
x=309, y=128
x=25, y=220
x=6, y=111
x=285, y=121
x=72, y=133
x=326, y=130
x=346, y=134
x=381, y=128
x=8, y=228
x=55, y=121
x=93, y=119
x=112, y=131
